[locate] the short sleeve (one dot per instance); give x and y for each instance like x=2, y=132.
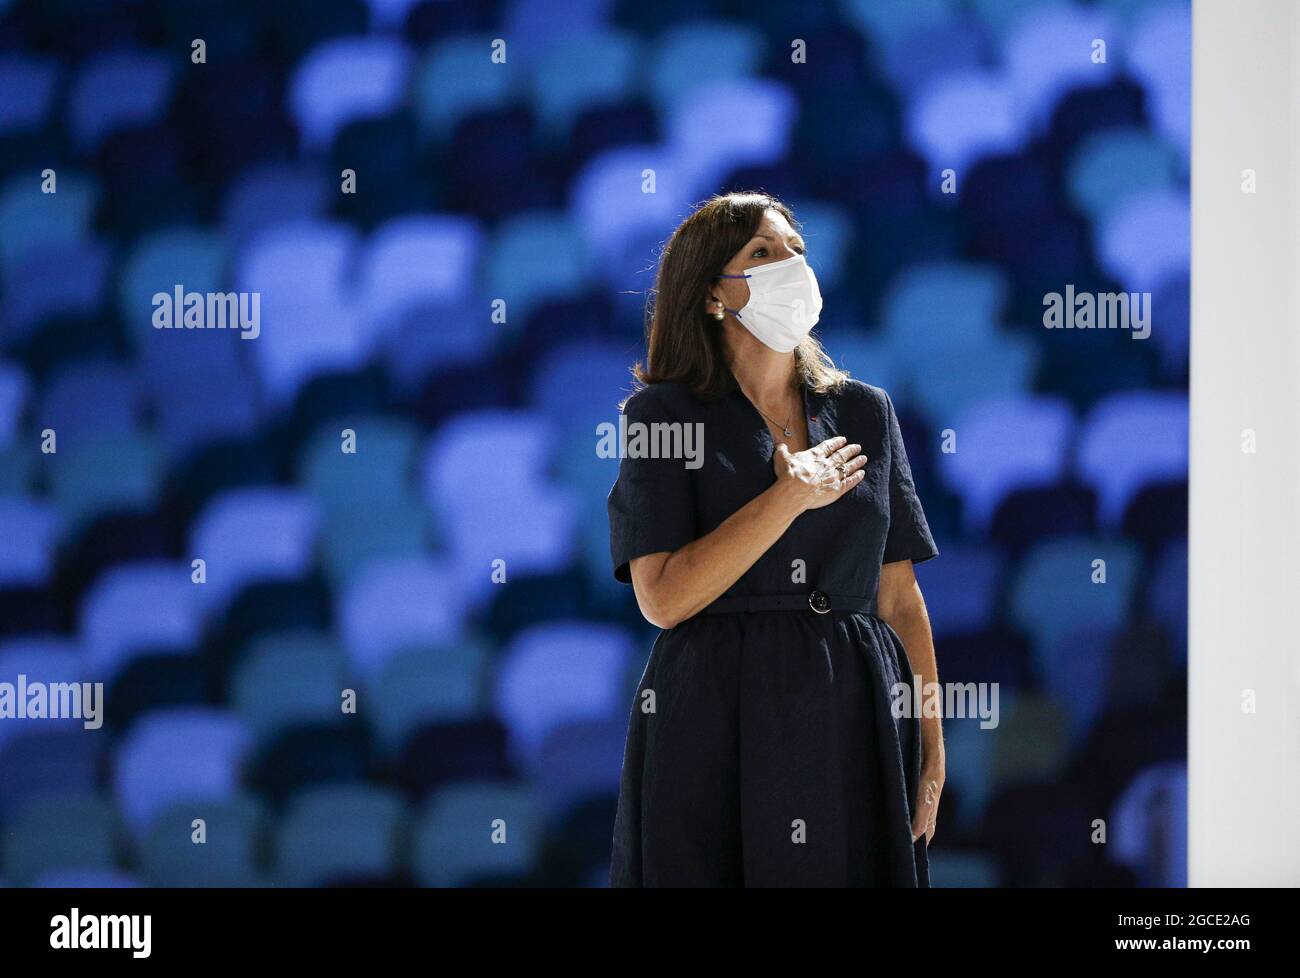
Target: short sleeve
x=652, y=504
x=909, y=534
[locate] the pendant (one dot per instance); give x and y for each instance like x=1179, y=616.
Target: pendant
x=787, y=432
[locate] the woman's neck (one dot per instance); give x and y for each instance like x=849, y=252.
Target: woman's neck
x=765, y=376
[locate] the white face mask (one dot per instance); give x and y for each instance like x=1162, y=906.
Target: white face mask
x=784, y=302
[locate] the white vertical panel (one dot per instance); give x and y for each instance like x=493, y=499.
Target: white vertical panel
x=1244, y=588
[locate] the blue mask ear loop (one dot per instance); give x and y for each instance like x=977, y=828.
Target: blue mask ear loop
x=734, y=312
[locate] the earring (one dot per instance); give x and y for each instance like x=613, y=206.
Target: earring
x=721, y=313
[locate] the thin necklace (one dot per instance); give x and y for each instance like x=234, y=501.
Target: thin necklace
x=785, y=428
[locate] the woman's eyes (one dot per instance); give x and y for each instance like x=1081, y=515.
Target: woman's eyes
x=762, y=252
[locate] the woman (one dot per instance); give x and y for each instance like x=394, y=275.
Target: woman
x=762, y=750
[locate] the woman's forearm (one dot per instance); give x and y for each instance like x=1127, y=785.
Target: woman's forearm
x=691, y=578
x=912, y=623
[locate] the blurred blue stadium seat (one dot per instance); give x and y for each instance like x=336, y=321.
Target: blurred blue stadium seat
x=212, y=415
x=499, y=509
x=437, y=683
x=27, y=545
x=270, y=194
x=962, y=118
x=16, y=463
x=866, y=357
x=473, y=831
x=47, y=761
x=578, y=760
x=345, y=79
x=380, y=469
x=42, y=659
x=921, y=52
x=579, y=385
x=228, y=855
x=395, y=604
x=1149, y=825
x=285, y=679
x=542, y=24
x=884, y=23
x=133, y=609
x=190, y=257
x=617, y=226
x=1031, y=742
x=1111, y=164
x=1004, y=444
x=560, y=672
x=55, y=833
x=66, y=281
x=829, y=234
x=963, y=591
x=688, y=56
x=968, y=751
x=1145, y=239
x=456, y=78
x=390, y=14
x=105, y=472
x=937, y=306
x=91, y=396
x=310, y=322
x=999, y=17
x=190, y=755
x=532, y=258
x=1160, y=55
x=948, y=382
x=392, y=529
x=370, y=509
x=31, y=84
x=339, y=833
x=413, y=262
x=1129, y=440
x=117, y=90
x=14, y=391
x=1053, y=593
x=609, y=60
x=250, y=535
x=33, y=223
x=1047, y=52
x=758, y=137
x=1076, y=671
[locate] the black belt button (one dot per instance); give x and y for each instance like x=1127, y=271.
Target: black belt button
x=819, y=603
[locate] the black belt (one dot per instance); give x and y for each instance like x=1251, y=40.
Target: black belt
x=816, y=601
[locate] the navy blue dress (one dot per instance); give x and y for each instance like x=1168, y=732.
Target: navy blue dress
x=766, y=753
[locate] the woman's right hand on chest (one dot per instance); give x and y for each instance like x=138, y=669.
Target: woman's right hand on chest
x=821, y=474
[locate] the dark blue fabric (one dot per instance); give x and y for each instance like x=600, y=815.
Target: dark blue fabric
x=769, y=721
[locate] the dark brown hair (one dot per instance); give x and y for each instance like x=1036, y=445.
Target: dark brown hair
x=683, y=342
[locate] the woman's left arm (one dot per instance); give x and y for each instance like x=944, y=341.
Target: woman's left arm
x=900, y=604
